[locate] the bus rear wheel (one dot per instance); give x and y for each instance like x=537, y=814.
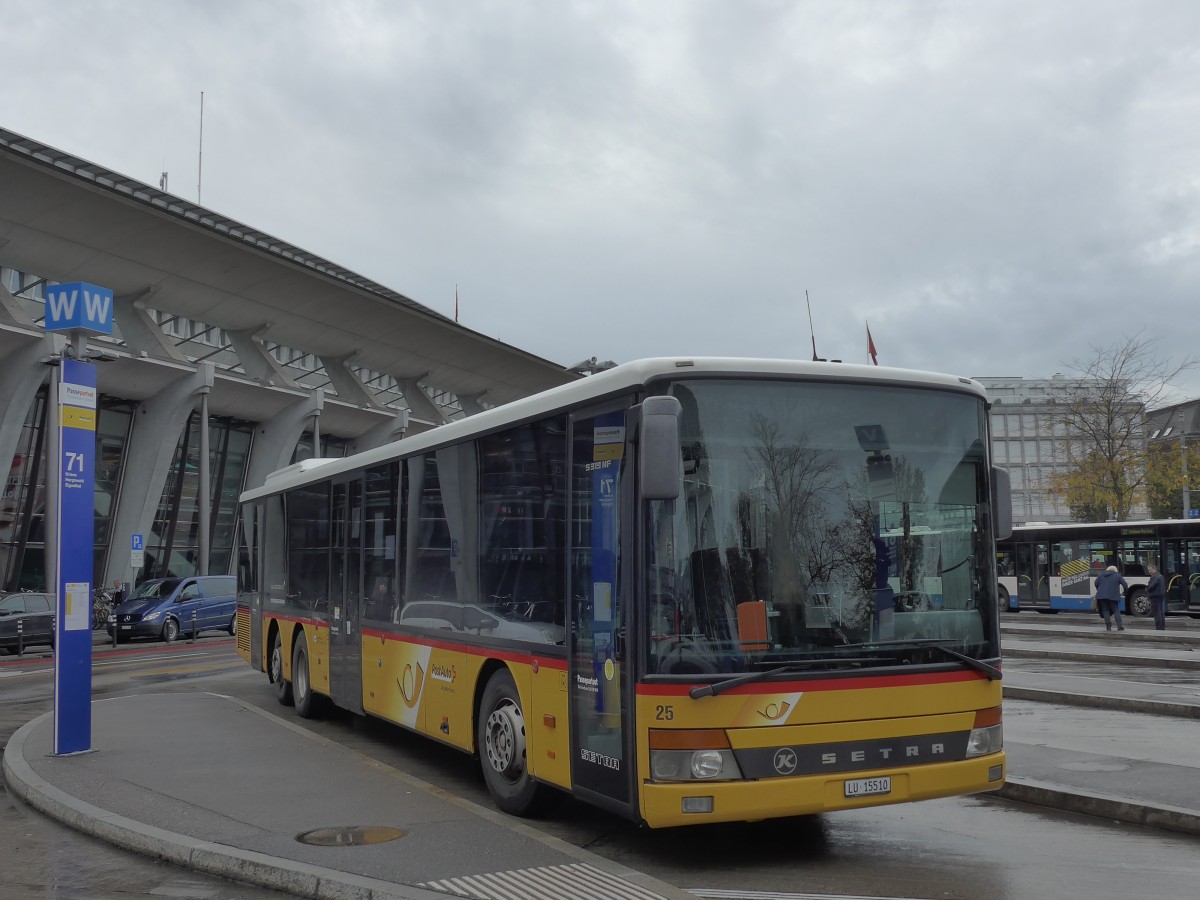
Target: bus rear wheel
x=501, y=741
x=302, y=692
x=1138, y=603
x=283, y=687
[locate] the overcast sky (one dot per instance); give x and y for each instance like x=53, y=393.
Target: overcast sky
x=996, y=186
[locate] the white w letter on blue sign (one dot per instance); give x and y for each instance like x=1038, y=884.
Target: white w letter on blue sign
x=96, y=305
x=62, y=304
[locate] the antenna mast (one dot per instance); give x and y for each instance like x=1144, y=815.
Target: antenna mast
x=810, y=325
x=200, y=160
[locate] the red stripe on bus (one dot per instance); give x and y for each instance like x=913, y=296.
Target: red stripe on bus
x=301, y=620
x=829, y=684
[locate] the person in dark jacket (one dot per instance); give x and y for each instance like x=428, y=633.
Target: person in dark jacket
x=1110, y=585
x=1156, y=591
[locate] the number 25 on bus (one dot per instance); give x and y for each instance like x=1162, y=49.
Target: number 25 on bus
x=685, y=590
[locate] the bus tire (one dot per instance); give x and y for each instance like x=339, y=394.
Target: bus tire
x=302, y=692
x=1138, y=603
x=1003, y=598
x=501, y=741
x=283, y=687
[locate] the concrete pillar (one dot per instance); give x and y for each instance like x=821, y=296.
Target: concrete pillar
x=21, y=374
x=275, y=439
x=12, y=310
x=140, y=332
x=383, y=433
x=255, y=359
x=348, y=385
x=204, y=498
x=470, y=403
x=419, y=402
x=157, y=425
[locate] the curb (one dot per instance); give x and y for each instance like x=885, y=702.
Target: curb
x=1026, y=653
x=1170, y=818
x=290, y=876
x=1132, y=637
x=1122, y=704
x=300, y=879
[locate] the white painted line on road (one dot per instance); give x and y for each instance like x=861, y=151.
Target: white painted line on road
x=576, y=881
x=776, y=895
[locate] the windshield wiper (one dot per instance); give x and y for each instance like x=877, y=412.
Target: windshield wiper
x=978, y=665
x=711, y=690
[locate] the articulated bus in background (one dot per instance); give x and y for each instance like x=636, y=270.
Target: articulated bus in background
x=685, y=590
x=1051, y=568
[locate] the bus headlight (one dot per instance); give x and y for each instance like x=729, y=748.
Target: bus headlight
x=707, y=763
x=694, y=765
x=692, y=755
x=983, y=741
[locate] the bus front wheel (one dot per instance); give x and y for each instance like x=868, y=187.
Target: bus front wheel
x=501, y=742
x=283, y=687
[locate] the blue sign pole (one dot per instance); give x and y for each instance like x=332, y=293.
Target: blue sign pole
x=76, y=308
x=76, y=443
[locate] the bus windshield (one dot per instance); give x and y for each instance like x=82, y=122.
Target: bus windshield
x=829, y=525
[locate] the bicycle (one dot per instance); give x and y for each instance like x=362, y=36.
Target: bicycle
x=102, y=607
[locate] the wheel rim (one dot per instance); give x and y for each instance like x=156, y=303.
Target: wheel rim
x=300, y=677
x=504, y=741
x=276, y=662
x=172, y=630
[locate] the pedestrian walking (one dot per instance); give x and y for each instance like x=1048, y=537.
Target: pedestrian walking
x=1156, y=590
x=1110, y=585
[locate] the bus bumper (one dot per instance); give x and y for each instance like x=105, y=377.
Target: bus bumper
x=741, y=801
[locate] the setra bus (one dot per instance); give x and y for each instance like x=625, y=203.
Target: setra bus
x=685, y=590
x=1051, y=568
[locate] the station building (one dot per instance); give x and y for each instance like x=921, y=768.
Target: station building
x=220, y=331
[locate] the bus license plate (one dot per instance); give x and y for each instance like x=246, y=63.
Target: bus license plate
x=861, y=787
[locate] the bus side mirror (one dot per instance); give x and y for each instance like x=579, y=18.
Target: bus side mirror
x=659, y=459
x=1002, y=525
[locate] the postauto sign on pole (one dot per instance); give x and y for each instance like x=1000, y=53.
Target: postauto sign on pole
x=76, y=309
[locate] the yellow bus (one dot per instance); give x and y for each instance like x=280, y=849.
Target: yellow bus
x=685, y=590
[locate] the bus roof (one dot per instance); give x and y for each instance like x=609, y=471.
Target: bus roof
x=609, y=383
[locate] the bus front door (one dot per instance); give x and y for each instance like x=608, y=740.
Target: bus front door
x=599, y=673
x=345, y=608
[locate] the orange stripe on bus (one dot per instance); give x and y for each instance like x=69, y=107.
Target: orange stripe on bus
x=688, y=739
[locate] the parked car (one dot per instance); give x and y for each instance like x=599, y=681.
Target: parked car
x=35, y=612
x=168, y=607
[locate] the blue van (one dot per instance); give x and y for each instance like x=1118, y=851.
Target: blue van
x=168, y=607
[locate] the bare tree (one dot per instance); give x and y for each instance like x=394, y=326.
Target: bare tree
x=1104, y=414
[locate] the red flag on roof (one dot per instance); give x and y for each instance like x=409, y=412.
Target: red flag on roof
x=871, y=347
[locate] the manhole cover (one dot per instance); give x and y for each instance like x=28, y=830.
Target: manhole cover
x=350, y=835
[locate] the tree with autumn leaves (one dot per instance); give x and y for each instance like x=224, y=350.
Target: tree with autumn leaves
x=1103, y=417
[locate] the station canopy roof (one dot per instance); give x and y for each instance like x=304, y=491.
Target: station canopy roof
x=68, y=219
